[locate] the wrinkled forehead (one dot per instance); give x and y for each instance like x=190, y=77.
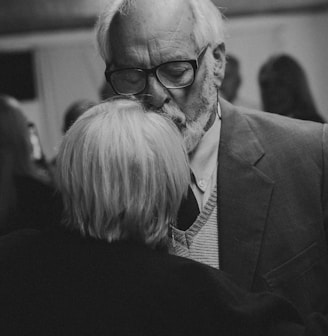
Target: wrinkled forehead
x=155, y=25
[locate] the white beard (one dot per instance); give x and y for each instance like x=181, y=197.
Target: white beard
x=194, y=131
x=191, y=131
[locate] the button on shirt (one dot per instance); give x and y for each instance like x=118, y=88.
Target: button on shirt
x=203, y=163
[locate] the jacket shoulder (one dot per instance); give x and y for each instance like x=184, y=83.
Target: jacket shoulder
x=276, y=131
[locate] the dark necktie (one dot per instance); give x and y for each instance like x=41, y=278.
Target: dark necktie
x=188, y=211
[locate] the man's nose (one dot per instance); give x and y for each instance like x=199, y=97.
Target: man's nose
x=156, y=95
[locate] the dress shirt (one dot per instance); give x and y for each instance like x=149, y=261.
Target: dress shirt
x=203, y=162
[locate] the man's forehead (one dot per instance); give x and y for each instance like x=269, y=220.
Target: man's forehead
x=165, y=35
x=153, y=19
x=151, y=9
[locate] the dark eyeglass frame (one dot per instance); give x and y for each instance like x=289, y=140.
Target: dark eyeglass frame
x=193, y=62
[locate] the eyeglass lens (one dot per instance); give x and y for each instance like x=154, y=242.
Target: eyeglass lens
x=128, y=81
x=176, y=74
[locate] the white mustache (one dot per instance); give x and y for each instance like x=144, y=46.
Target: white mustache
x=173, y=113
x=169, y=110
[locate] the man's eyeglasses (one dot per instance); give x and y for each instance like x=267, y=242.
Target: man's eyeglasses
x=172, y=75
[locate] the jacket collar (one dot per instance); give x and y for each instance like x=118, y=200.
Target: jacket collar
x=244, y=194
x=237, y=136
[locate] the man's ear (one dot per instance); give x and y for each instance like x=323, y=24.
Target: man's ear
x=220, y=61
x=220, y=56
x=219, y=51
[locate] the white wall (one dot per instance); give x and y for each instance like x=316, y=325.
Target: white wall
x=304, y=36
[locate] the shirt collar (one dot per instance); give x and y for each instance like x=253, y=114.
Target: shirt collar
x=203, y=160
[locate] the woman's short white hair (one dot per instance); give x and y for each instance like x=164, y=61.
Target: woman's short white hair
x=209, y=25
x=122, y=172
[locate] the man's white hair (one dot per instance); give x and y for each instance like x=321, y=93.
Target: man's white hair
x=209, y=28
x=122, y=172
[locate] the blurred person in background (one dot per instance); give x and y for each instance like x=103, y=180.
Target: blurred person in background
x=72, y=113
x=26, y=200
x=105, y=91
x=232, y=81
x=123, y=171
x=285, y=89
x=38, y=156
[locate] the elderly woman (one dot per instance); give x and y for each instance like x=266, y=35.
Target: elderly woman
x=123, y=173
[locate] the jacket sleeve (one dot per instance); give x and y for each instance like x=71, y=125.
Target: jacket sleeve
x=225, y=306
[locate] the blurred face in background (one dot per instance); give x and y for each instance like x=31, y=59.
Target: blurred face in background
x=231, y=82
x=277, y=96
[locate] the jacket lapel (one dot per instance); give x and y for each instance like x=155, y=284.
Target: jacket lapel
x=244, y=194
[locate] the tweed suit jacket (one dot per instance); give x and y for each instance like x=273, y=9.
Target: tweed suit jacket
x=273, y=205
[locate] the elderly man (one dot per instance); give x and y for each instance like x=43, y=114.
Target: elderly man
x=258, y=198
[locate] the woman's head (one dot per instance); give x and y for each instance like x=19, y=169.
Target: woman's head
x=15, y=145
x=122, y=171
x=284, y=88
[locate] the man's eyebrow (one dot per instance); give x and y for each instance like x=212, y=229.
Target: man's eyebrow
x=115, y=65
